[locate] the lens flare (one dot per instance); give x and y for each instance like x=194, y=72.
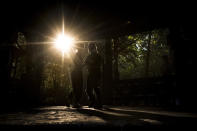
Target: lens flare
x=64, y=43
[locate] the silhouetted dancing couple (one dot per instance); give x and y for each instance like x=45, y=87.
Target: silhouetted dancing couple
x=93, y=65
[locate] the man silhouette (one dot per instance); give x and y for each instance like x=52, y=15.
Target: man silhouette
x=93, y=64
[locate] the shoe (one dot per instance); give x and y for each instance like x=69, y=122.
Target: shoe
x=91, y=105
x=68, y=105
x=98, y=106
x=77, y=105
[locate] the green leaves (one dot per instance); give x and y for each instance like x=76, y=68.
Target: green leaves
x=132, y=53
x=130, y=37
x=21, y=40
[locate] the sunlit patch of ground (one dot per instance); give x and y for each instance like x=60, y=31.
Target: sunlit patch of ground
x=49, y=115
x=152, y=121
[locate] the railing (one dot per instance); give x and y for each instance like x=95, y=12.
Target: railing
x=145, y=91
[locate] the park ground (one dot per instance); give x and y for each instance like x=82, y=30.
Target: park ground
x=116, y=117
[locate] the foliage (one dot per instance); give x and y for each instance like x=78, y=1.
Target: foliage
x=56, y=86
x=17, y=59
x=38, y=73
x=132, y=54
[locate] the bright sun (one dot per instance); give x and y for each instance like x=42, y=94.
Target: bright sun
x=64, y=43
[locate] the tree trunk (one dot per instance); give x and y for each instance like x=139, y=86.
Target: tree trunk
x=116, y=72
x=148, y=56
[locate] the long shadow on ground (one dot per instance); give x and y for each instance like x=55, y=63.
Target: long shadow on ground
x=129, y=118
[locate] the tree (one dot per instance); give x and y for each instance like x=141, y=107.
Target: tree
x=17, y=57
x=142, y=53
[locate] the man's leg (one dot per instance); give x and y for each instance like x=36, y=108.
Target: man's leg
x=98, y=95
x=90, y=93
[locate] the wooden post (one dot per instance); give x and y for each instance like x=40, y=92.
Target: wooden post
x=107, y=78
